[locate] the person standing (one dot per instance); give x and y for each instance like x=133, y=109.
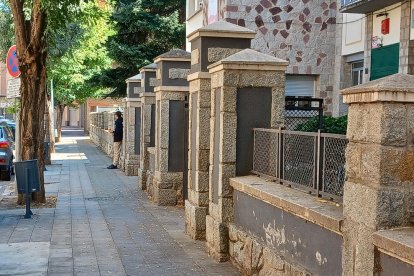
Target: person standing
x=118, y=133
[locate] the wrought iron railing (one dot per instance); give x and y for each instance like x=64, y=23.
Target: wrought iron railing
x=345, y=3
x=299, y=110
x=314, y=162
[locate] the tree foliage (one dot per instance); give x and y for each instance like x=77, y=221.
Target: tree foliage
x=144, y=30
x=79, y=53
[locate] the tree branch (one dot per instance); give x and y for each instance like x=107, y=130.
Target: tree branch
x=19, y=24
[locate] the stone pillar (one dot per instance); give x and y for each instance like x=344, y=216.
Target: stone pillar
x=247, y=91
x=132, y=114
x=378, y=193
x=208, y=45
x=171, y=139
x=147, y=121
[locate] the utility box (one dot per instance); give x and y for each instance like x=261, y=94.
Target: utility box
x=27, y=175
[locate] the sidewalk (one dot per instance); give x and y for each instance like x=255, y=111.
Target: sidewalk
x=102, y=225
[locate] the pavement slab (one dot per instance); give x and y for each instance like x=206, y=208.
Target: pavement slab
x=101, y=225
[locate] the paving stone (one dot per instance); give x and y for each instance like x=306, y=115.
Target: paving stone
x=104, y=225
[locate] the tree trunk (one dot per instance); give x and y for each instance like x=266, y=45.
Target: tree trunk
x=31, y=52
x=60, y=109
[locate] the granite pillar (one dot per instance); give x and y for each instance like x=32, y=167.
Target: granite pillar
x=147, y=129
x=247, y=91
x=378, y=192
x=171, y=139
x=208, y=45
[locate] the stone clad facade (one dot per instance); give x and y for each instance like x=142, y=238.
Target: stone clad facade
x=299, y=31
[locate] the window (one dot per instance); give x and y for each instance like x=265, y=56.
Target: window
x=299, y=86
x=357, y=72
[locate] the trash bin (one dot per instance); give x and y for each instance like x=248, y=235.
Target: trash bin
x=27, y=178
x=32, y=177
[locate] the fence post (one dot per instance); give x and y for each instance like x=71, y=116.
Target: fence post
x=379, y=167
x=242, y=82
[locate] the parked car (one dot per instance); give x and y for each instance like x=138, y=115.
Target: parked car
x=6, y=152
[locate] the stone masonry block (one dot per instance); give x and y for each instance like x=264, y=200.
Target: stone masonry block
x=391, y=206
x=212, y=124
x=202, y=160
x=278, y=107
x=228, y=99
x=228, y=135
x=379, y=124
x=226, y=171
x=226, y=210
x=165, y=197
x=358, y=252
x=195, y=56
x=257, y=78
x=202, y=135
x=201, y=183
x=204, y=99
x=232, y=78
x=215, y=54
x=163, y=160
x=375, y=165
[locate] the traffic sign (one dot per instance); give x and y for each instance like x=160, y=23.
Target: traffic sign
x=13, y=88
x=13, y=62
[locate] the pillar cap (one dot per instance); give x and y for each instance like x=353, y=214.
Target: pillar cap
x=249, y=59
x=174, y=55
x=149, y=67
x=136, y=78
x=222, y=29
x=394, y=88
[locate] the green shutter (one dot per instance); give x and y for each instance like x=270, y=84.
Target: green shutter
x=385, y=61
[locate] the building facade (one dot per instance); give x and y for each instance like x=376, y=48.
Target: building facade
x=302, y=32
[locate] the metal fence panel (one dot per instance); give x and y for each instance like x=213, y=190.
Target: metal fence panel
x=314, y=162
x=333, y=170
x=265, y=153
x=299, y=159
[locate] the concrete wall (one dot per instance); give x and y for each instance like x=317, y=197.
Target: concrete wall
x=353, y=33
x=304, y=245
x=394, y=14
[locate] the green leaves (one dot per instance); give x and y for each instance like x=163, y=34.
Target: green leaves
x=144, y=30
x=78, y=53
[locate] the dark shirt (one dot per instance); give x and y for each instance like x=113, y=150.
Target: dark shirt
x=118, y=132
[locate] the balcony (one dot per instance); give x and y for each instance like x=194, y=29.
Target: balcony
x=365, y=6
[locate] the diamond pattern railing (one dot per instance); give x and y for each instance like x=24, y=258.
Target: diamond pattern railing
x=314, y=162
x=345, y=3
x=299, y=110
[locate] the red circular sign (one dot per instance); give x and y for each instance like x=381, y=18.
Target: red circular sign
x=13, y=62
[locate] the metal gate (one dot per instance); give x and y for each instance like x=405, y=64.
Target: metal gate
x=303, y=110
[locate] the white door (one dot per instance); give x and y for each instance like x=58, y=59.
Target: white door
x=73, y=117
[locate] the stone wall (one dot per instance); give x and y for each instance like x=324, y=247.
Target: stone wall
x=99, y=130
x=299, y=31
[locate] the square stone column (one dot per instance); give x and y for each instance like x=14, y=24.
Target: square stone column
x=208, y=45
x=379, y=191
x=171, y=138
x=147, y=128
x=132, y=117
x=247, y=91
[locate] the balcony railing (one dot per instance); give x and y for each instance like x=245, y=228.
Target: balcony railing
x=345, y=3
x=313, y=162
